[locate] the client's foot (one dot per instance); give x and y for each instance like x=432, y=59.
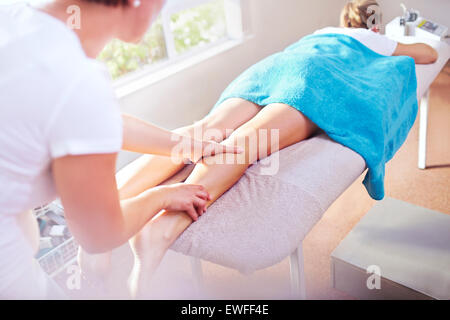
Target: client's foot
x=140, y=279
x=148, y=252
x=95, y=269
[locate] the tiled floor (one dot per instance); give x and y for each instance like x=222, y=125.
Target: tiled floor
x=430, y=188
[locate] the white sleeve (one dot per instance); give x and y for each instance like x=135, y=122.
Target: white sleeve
x=88, y=120
x=383, y=45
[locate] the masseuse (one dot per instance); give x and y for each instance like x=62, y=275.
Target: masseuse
x=61, y=130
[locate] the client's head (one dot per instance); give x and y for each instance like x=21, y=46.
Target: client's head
x=361, y=14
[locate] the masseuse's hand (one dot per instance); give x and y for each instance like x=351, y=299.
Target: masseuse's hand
x=204, y=149
x=185, y=197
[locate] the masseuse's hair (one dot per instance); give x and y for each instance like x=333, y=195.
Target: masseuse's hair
x=355, y=15
x=110, y=2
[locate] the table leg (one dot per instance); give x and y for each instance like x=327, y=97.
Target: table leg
x=197, y=272
x=297, y=266
x=423, y=131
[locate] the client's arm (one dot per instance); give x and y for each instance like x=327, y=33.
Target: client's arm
x=420, y=52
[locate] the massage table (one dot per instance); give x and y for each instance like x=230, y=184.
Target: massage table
x=264, y=218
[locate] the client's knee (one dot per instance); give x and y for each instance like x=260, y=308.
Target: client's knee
x=257, y=144
x=202, y=130
x=246, y=158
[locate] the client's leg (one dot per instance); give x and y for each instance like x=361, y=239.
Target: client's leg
x=217, y=178
x=149, y=171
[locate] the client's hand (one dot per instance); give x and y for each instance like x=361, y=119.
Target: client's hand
x=185, y=197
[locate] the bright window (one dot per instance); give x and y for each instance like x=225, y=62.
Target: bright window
x=122, y=58
x=184, y=27
x=198, y=26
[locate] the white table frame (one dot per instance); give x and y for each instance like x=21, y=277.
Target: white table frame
x=423, y=130
x=297, y=274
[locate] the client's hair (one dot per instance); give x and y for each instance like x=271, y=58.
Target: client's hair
x=355, y=13
x=110, y=2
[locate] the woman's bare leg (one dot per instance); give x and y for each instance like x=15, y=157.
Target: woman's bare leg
x=149, y=171
x=160, y=233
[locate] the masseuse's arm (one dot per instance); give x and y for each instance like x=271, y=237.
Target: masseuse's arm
x=142, y=137
x=420, y=52
x=97, y=219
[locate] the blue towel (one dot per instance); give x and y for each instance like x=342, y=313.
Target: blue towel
x=363, y=100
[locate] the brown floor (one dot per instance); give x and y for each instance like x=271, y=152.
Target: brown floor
x=404, y=181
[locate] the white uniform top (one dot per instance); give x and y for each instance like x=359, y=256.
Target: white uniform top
x=54, y=101
x=374, y=41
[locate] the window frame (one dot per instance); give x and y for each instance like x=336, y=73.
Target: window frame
x=175, y=62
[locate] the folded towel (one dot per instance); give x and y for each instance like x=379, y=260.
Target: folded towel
x=363, y=100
